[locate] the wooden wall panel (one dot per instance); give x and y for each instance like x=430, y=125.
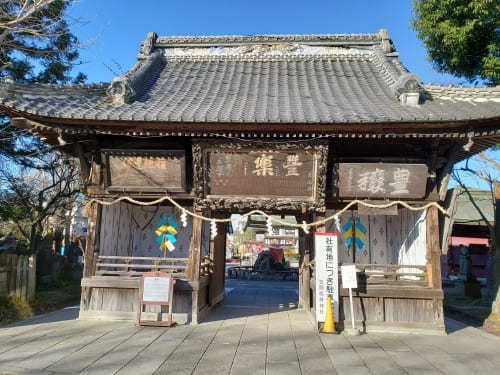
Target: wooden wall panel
x=389, y=239
x=345, y=257
x=129, y=230
x=205, y=239
x=379, y=253
x=127, y=300
x=365, y=309
x=363, y=255
x=409, y=310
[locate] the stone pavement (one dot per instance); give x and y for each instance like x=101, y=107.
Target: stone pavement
x=255, y=331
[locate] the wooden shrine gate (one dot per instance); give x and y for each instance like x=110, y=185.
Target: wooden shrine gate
x=399, y=278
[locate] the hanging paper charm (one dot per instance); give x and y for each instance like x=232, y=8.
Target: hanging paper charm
x=213, y=229
x=238, y=222
x=184, y=219
x=269, y=225
x=305, y=227
x=166, y=231
x=337, y=223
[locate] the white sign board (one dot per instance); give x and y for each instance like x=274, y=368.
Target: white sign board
x=349, y=279
x=156, y=289
x=327, y=273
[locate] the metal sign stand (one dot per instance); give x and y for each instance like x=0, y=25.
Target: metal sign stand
x=350, y=281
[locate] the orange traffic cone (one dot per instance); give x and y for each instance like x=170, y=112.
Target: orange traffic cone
x=329, y=325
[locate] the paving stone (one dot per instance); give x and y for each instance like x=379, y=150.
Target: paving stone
x=151, y=358
x=240, y=342
x=46, y=357
x=186, y=356
x=219, y=356
x=83, y=358
x=420, y=371
x=115, y=359
x=410, y=360
x=283, y=368
x=378, y=361
x=446, y=364
x=248, y=363
x=352, y=370
x=391, y=343
x=335, y=341
x=345, y=357
x=477, y=363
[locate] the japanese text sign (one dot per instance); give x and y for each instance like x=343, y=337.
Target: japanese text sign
x=262, y=173
x=349, y=279
x=156, y=289
x=327, y=274
x=145, y=170
x=382, y=180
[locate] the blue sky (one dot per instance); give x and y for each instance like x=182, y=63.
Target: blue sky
x=113, y=30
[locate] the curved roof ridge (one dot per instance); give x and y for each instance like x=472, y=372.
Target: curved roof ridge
x=461, y=93
x=208, y=40
x=289, y=57
x=123, y=89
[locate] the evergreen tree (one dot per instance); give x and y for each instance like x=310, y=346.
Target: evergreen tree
x=36, y=45
x=462, y=37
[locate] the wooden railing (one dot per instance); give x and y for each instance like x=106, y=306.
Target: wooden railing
x=136, y=266
x=387, y=274
x=392, y=274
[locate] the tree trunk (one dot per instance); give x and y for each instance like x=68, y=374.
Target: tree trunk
x=33, y=239
x=493, y=320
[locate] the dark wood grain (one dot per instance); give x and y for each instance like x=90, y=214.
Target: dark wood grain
x=382, y=180
x=145, y=170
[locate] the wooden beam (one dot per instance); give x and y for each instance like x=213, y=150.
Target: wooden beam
x=218, y=256
x=433, y=253
x=193, y=269
x=93, y=240
x=445, y=172
x=306, y=254
x=84, y=165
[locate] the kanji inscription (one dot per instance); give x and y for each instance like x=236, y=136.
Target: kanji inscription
x=261, y=173
x=145, y=170
x=381, y=180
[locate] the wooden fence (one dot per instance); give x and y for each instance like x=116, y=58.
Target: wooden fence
x=18, y=275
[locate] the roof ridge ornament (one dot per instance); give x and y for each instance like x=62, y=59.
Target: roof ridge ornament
x=386, y=41
x=147, y=46
x=124, y=89
x=120, y=91
x=408, y=89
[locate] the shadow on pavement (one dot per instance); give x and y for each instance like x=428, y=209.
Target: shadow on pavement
x=250, y=298
x=66, y=314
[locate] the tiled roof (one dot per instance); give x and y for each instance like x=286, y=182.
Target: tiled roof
x=265, y=79
x=466, y=211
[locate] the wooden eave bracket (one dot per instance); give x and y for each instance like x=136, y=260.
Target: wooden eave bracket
x=445, y=171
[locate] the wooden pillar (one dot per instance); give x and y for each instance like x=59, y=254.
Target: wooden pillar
x=93, y=239
x=91, y=250
x=193, y=270
x=193, y=267
x=218, y=256
x=306, y=244
x=433, y=253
